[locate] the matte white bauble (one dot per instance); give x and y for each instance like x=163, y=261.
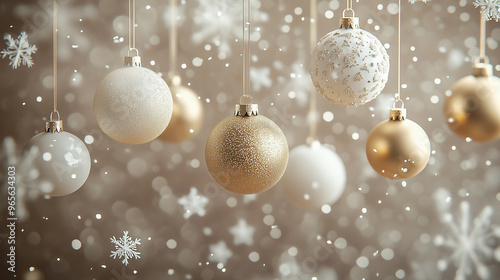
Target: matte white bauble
x=133, y=105
x=315, y=176
x=350, y=66
x=62, y=160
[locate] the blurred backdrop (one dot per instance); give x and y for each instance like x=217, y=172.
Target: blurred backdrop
x=441, y=224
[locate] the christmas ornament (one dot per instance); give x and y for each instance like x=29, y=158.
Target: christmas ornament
x=315, y=176
x=187, y=115
x=133, y=105
x=62, y=160
x=398, y=148
x=472, y=109
x=350, y=66
x=246, y=153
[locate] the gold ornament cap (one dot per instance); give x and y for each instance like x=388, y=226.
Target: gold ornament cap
x=482, y=70
x=54, y=125
x=132, y=60
x=349, y=22
x=246, y=110
x=398, y=114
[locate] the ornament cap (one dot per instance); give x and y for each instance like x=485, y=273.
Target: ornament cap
x=349, y=22
x=482, y=70
x=246, y=110
x=133, y=60
x=54, y=126
x=398, y=114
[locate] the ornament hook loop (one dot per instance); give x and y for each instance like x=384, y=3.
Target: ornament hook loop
x=396, y=102
x=481, y=59
x=133, y=49
x=348, y=10
x=248, y=97
x=51, y=116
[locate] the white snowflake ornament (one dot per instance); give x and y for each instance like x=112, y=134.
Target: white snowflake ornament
x=193, y=203
x=489, y=8
x=469, y=240
x=18, y=50
x=126, y=248
x=350, y=66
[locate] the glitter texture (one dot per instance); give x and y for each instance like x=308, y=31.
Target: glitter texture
x=246, y=155
x=352, y=74
x=133, y=105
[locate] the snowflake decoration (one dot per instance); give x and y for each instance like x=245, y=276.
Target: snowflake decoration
x=221, y=22
x=126, y=248
x=260, y=77
x=220, y=253
x=469, y=240
x=242, y=233
x=489, y=8
x=193, y=203
x=18, y=50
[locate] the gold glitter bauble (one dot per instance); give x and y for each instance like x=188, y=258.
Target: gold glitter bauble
x=473, y=109
x=398, y=148
x=246, y=154
x=187, y=115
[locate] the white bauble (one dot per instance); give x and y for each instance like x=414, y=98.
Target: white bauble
x=133, y=105
x=62, y=160
x=350, y=66
x=315, y=176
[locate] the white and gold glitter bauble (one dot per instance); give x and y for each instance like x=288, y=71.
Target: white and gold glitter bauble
x=473, y=108
x=315, y=176
x=350, y=66
x=246, y=153
x=61, y=159
x=187, y=115
x=398, y=148
x=132, y=104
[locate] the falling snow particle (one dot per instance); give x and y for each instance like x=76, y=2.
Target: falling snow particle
x=126, y=248
x=18, y=50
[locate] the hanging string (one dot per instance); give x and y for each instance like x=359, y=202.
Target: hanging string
x=313, y=38
x=131, y=25
x=398, y=94
x=173, y=39
x=482, y=39
x=246, y=48
x=54, y=55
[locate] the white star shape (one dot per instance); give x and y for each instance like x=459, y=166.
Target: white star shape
x=243, y=233
x=193, y=203
x=220, y=253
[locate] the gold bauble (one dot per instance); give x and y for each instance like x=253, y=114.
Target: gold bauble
x=398, y=148
x=246, y=153
x=473, y=109
x=187, y=115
